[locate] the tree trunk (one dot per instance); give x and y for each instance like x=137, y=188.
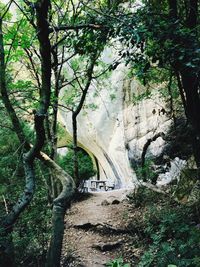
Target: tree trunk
x=171, y=102
x=75, y=148
x=56, y=187
x=147, y=144
x=60, y=204
x=191, y=86
x=62, y=201
x=189, y=82
x=77, y=111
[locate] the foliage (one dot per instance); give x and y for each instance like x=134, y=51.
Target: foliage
x=157, y=43
x=117, y=263
x=170, y=231
x=11, y=170
x=156, y=46
x=86, y=168
x=173, y=238
x=91, y=106
x=137, y=98
x=147, y=172
x=143, y=197
x=32, y=231
x=25, y=81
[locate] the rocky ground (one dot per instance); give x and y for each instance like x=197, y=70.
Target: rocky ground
x=98, y=230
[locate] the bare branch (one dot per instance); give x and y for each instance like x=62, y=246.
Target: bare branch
x=77, y=27
x=13, y=40
x=7, y=9
x=30, y=57
x=24, y=13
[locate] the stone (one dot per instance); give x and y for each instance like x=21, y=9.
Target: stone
x=107, y=246
x=115, y=202
x=105, y=203
x=85, y=226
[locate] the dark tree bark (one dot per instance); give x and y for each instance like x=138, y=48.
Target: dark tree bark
x=188, y=77
x=147, y=144
x=180, y=87
x=58, y=84
x=192, y=110
x=51, y=123
x=61, y=203
x=75, y=148
x=171, y=102
x=173, y=8
x=42, y=8
x=191, y=21
x=190, y=82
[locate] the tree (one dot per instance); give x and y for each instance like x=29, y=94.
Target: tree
x=39, y=116
x=164, y=35
x=61, y=202
x=85, y=44
x=39, y=17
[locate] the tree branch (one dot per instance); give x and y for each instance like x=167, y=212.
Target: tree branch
x=77, y=27
x=147, y=144
x=85, y=90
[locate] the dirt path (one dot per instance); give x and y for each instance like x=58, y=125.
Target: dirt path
x=96, y=230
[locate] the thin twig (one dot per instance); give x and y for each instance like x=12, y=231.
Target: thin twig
x=7, y=9
x=5, y=204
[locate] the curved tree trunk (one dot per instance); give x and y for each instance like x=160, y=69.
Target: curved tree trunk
x=9, y=220
x=60, y=204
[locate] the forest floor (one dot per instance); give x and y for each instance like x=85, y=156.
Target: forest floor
x=97, y=230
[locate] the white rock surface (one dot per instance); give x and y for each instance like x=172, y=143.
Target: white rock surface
x=177, y=165
x=117, y=130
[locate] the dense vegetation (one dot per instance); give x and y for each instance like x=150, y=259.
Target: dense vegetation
x=49, y=45
x=168, y=232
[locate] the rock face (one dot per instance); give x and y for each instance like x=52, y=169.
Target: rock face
x=143, y=119
x=117, y=129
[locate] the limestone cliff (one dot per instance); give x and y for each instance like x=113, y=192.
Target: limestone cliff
x=116, y=130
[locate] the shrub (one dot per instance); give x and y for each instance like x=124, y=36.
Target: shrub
x=31, y=232
x=117, y=263
x=143, y=197
x=172, y=236
x=85, y=164
x=147, y=172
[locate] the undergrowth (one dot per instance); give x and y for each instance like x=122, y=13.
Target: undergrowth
x=117, y=263
x=169, y=231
